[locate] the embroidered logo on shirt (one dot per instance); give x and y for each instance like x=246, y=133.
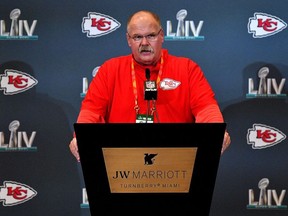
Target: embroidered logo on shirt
x=169, y=84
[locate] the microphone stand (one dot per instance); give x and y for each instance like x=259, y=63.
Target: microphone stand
x=147, y=73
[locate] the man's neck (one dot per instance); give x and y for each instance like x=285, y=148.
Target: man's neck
x=150, y=64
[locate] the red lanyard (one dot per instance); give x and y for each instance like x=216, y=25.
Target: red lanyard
x=134, y=84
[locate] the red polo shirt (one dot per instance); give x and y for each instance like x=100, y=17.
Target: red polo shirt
x=183, y=95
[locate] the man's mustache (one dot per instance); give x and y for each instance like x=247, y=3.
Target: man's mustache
x=145, y=49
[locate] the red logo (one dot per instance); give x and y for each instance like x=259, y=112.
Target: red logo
x=263, y=136
x=169, y=84
x=96, y=24
x=14, y=193
x=14, y=82
x=264, y=25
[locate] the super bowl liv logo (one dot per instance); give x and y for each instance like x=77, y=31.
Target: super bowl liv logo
x=267, y=87
x=268, y=198
x=18, y=140
x=18, y=28
x=186, y=30
x=85, y=202
x=85, y=82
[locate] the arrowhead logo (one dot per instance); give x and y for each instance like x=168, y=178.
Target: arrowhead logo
x=264, y=25
x=263, y=136
x=14, y=82
x=169, y=84
x=96, y=24
x=14, y=193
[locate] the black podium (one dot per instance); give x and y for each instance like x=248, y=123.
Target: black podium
x=153, y=169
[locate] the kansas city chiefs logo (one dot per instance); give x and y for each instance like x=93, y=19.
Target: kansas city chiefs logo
x=169, y=84
x=96, y=24
x=263, y=136
x=264, y=25
x=14, y=82
x=14, y=193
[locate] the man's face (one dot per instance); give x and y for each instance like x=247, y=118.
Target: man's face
x=145, y=38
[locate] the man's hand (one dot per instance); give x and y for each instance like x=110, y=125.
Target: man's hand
x=74, y=149
x=226, y=142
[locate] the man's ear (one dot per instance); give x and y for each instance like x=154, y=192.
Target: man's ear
x=128, y=41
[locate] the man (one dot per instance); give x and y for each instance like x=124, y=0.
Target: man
x=116, y=94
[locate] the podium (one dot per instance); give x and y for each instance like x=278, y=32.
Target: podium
x=153, y=169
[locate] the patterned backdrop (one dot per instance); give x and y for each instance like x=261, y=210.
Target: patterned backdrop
x=50, y=51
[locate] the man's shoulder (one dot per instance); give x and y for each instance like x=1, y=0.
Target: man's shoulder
x=174, y=56
x=179, y=60
x=116, y=64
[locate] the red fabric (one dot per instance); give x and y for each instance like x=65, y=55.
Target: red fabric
x=110, y=96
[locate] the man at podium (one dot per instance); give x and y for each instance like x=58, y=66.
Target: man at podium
x=150, y=85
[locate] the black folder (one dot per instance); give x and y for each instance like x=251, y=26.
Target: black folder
x=96, y=139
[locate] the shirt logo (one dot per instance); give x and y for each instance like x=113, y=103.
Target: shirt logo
x=264, y=25
x=169, y=84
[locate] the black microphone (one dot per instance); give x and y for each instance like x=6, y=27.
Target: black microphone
x=147, y=73
x=150, y=87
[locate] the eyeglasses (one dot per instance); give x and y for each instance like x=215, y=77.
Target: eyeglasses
x=150, y=37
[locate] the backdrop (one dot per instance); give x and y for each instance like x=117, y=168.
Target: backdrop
x=50, y=51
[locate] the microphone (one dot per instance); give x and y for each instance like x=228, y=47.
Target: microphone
x=147, y=73
x=150, y=87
